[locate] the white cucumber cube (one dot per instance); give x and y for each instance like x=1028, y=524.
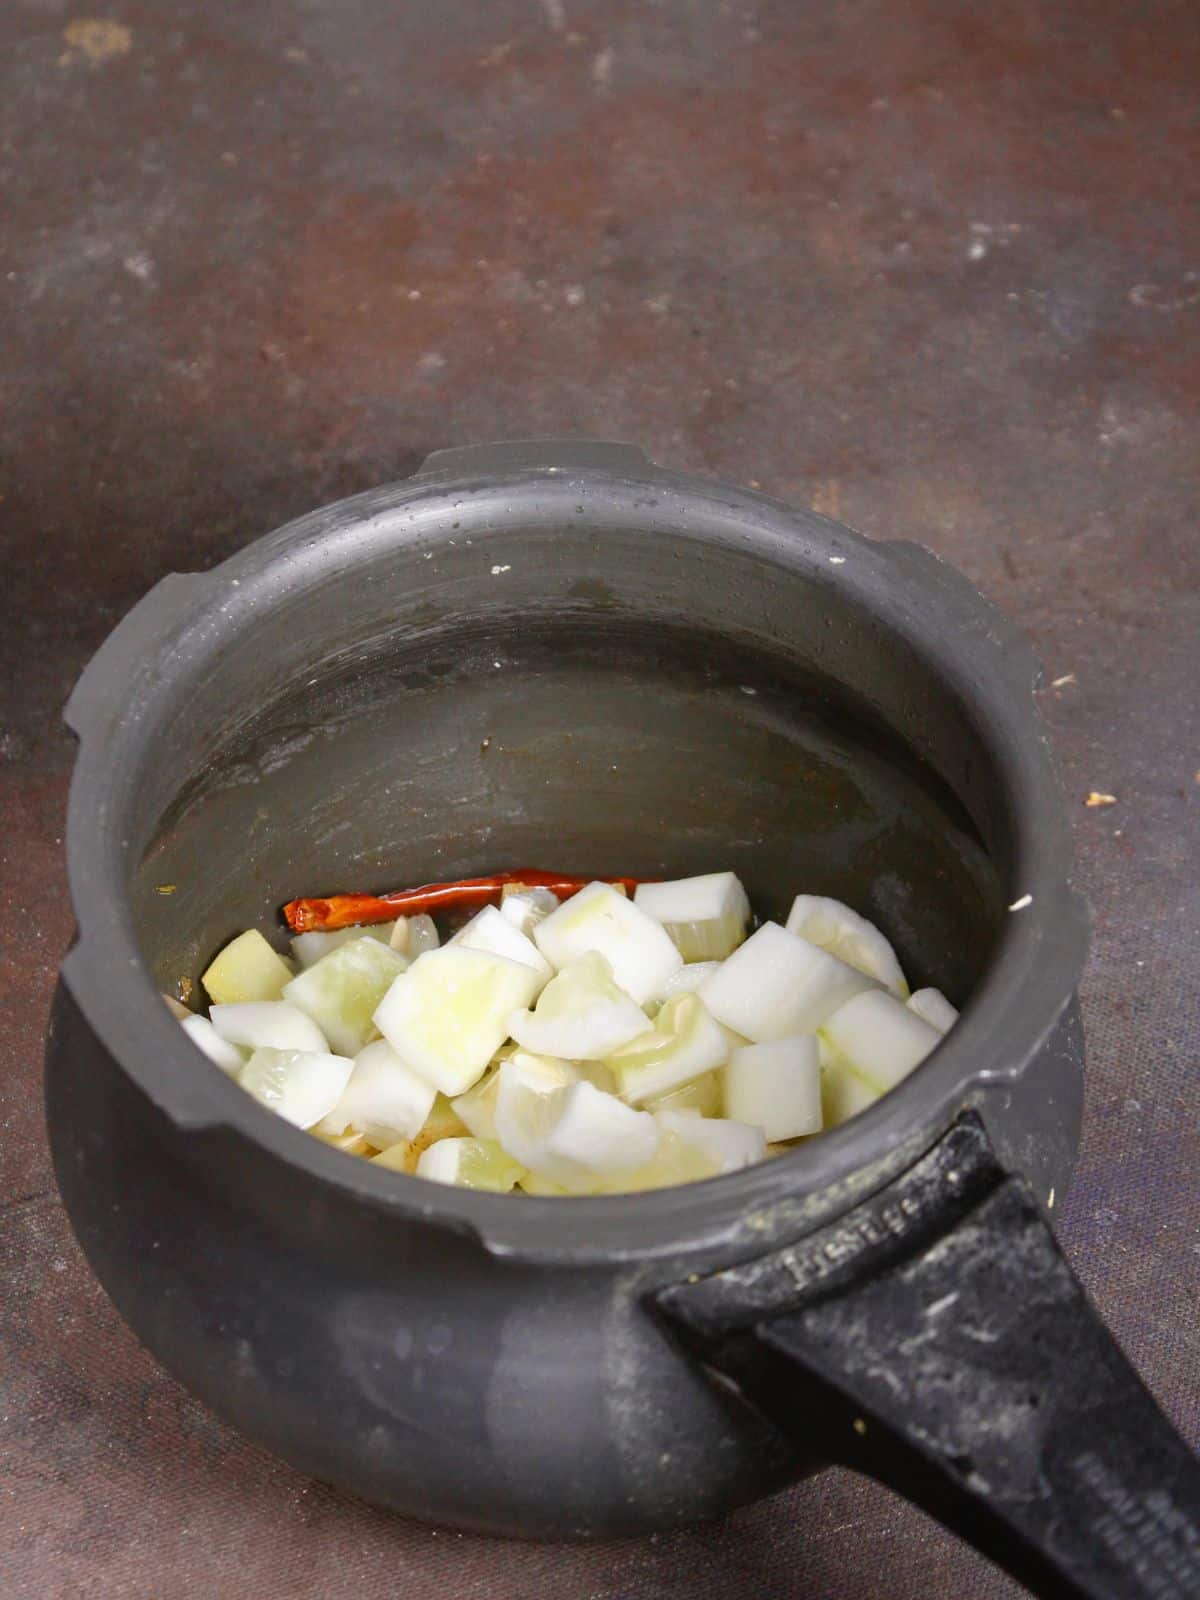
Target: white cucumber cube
x=777, y=984
x=384, y=1099
x=448, y=1014
x=247, y=969
x=490, y=930
x=706, y=917
x=879, y=1038
x=859, y=943
x=600, y=1133
x=341, y=990
x=688, y=979
x=637, y=947
x=776, y=1087
x=932, y=1007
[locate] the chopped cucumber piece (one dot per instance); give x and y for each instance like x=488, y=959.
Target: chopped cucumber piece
x=341, y=991
x=776, y=1087
x=854, y=940
x=268, y=1024
x=247, y=969
x=684, y=1043
x=385, y=1099
x=879, y=1038
x=448, y=1014
x=932, y=1007
x=600, y=1133
x=581, y=1014
x=706, y=917
x=489, y=930
x=688, y=979
x=301, y=1086
x=599, y=919
x=471, y=1164
x=727, y=1145
x=777, y=984
x=309, y=948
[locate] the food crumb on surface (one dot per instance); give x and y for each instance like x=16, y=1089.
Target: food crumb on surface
x=1019, y=905
x=1098, y=798
x=1061, y=683
x=860, y=1426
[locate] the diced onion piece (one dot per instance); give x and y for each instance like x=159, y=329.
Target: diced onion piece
x=477, y=1108
x=385, y=1099
x=777, y=984
x=706, y=917
x=601, y=1133
x=599, y=919
x=177, y=1008
x=268, y=1025
x=301, y=1086
x=400, y=1157
x=932, y=1007
x=341, y=991
x=247, y=969
x=420, y=934
x=309, y=948
x=535, y=1183
x=350, y=1143
x=489, y=930
x=470, y=1164
x=205, y=1037
x=727, y=1144
x=442, y=1122
x=879, y=1037
x=859, y=943
x=688, y=979
x=701, y=1095
x=684, y=1043
x=776, y=1087
x=525, y=907
x=448, y=1014
x=529, y=1102
x=581, y=1015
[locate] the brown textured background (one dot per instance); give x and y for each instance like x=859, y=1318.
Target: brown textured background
x=933, y=267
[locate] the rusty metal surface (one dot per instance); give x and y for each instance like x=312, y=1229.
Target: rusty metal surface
x=934, y=268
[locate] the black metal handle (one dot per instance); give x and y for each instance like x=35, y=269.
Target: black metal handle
x=937, y=1339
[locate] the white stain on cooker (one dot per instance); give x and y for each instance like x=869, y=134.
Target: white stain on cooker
x=497, y=664
x=1019, y=905
x=746, y=689
x=837, y=561
x=497, y=570
x=944, y=1304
